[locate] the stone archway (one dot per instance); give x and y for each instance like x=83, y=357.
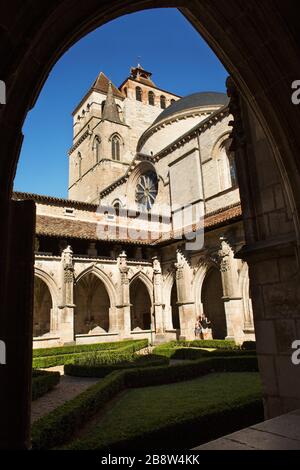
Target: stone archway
x=213, y=305
x=92, y=306
x=42, y=309
x=141, y=305
x=40, y=36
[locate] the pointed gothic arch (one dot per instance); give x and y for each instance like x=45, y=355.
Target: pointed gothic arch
x=116, y=145
x=213, y=305
x=96, y=148
x=46, y=300
x=141, y=300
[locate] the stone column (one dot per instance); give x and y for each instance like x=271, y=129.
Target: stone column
x=158, y=302
x=185, y=302
x=124, y=307
x=233, y=303
x=67, y=307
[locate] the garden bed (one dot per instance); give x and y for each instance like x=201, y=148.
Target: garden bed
x=102, y=366
x=59, y=356
x=57, y=427
x=177, y=416
x=43, y=381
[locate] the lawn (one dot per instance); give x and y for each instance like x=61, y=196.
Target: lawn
x=145, y=409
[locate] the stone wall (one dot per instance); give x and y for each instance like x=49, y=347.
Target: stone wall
x=68, y=278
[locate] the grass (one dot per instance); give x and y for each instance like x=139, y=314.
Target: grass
x=145, y=409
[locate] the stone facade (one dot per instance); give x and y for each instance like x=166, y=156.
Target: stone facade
x=111, y=264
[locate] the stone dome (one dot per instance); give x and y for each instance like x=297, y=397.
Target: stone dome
x=195, y=100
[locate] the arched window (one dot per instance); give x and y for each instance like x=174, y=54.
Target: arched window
x=102, y=106
x=96, y=149
x=163, y=102
x=232, y=168
x=115, y=147
x=226, y=166
x=79, y=160
x=172, y=101
x=151, y=98
x=138, y=93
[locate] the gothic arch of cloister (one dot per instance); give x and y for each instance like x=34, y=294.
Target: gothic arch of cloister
x=141, y=319
x=146, y=280
x=104, y=278
x=266, y=130
x=55, y=297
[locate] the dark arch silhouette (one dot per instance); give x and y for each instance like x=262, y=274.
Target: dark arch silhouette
x=92, y=305
x=174, y=307
x=42, y=308
x=213, y=305
x=140, y=301
x=41, y=35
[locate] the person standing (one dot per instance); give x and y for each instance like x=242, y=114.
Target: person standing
x=205, y=325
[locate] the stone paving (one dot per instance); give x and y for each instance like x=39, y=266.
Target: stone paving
x=67, y=389
x=281, y=433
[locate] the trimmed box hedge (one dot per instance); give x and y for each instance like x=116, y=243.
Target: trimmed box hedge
x=201, y=343
x=185, y=432
x=198, y=353
x=43, y=381
x=80, y=348
x=101, y=370
x=59, y=426
x=61, y=359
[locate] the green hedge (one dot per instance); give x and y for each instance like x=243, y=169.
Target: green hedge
x=185, y=432
x=189, y=370
x=61, y=359
x=101, y=370
x=59, y=426
x=249, y=346
x=201, y=343
x=43, y=381
x=198, y=353
x=80, y=348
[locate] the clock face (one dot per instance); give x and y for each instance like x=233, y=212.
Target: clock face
x=146, y=190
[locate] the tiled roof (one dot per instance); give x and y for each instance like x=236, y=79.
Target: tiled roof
x=101, y=84
x=222, y=216
x=57, y=201
x=72, y=228
x=212, y=221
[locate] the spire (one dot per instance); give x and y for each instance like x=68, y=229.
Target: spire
x=110, y=110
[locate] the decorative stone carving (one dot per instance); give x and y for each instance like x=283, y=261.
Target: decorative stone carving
x=123, y=268
x=238, y=133
x=67, y=258
x=156, y=265
x=224, y=254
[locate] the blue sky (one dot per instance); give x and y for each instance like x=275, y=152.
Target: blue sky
x=162, y=40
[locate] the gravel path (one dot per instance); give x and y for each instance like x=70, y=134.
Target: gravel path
x=67, y=389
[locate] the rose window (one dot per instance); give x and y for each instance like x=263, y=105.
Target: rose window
x=146, y=190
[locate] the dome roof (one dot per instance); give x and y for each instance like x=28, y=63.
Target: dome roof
x=196, y=100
